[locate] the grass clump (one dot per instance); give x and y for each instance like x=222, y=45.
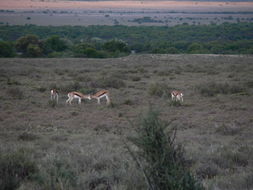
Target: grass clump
x=41, y=89
x=27, y=136
x=59, y=174
x=108, y=82
x=213, y=88
x=162, y=161
x=227, y=158
x=15, y=93
x=159, y=89
x=52, y=103
x=174, y=103
x=136, y=78
x=225, y=129
x=15, y=167
x=74, y=86
x=128, y=102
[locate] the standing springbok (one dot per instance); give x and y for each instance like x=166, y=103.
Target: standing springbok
x=177, y=96
x=54, y=95
x=77, y=95
x=101, y=94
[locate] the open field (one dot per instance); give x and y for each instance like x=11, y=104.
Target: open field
x=214, y=123
x=132, y=13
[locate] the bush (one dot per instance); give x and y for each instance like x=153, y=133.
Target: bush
x=15, y=93
x=175, y=103
x=212, y=89
x=108, y=82
x=6, y=49
x=27, y=136
x=160, y=159
x=227, y=158
x=52, y=103
x=116, y=46
x=15, y=167
x=157, y=89
x=59, y=174
x=74, y=86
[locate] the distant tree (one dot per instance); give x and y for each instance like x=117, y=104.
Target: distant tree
x=34, y=50
x=195, y=48
x=30, y=45
x=55, y=43
x=6, y=49
x=116, y=45
x=87, y=50
x=172, y=50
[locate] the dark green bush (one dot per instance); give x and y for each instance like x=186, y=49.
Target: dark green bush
x=160, y=159
x=6, y=49
x=15, y=167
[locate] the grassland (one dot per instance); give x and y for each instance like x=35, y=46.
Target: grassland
x=81, y=146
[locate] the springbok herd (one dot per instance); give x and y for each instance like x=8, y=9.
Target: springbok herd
x=175, y=96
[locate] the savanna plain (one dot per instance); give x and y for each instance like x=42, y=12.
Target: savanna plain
x=83, y=146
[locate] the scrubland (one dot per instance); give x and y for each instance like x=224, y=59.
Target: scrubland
x=59, y=146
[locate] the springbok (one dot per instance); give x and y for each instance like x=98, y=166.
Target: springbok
x=177, y=96
x=77, y=95
x=54, y=95
x=101, y=94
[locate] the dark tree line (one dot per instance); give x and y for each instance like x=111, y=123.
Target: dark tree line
x=114, y=41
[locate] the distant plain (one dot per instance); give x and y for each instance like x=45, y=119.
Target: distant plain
x=132, y=13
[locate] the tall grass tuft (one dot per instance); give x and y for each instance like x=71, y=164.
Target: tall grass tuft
x=15, y=167
x=162, y=161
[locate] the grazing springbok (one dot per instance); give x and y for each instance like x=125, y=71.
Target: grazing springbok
x=101, y=94
x=77, y=95
x=54, y=95
x=177, y=96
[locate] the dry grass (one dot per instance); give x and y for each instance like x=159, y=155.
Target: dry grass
x=80, y=146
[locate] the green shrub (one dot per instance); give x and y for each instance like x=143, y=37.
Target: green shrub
x=160, y=159
x=6, y=49
x=15, y=167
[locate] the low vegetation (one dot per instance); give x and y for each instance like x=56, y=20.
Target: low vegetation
x=117, y=41
x=45, y=145
x=161, y=161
